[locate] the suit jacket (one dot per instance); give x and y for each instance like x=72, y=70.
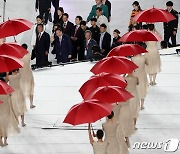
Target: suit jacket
x=69, y=30
x=95, y=33
x=63, y=49
x=80, y=37
x=108, y=4
x=106, y=43
x=46, y=4
x=43, y=44
x=172, y=25
x=88, y=48
x=55, y=3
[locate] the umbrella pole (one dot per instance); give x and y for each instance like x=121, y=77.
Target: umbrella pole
x=4, y=10
x=15, y=39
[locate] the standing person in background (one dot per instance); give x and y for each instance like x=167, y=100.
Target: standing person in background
x=63, y=46
x=67, y=26
x=101, y=19
x=115, y=42
x=55, y=4
x=78, y=41
x=58, y=19
x=170, y=28
x=44, y=7
x=135, y=11
x=94, y=29
x=104, y=40
x=89, y=44
x=27, y=78
x=99, y=3
x=108, y=4
x=42, y=47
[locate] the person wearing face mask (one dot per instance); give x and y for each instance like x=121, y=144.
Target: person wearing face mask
x=170, y=28
x=99, y=3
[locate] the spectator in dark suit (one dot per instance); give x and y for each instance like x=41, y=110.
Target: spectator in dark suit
x=55, y=3
x=78, y=40
x=42, y=47
x=63, y=46
x=44, y=7
x=89, y=43
x=108, y=4
x=115, y=42
x=95, y=29
x=67, y=26
x=84, y=27
x=58, y=19
x=104, y=40
x=170, y=28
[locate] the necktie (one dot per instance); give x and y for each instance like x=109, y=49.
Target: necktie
x=64, y=25
x=39, y=36
x=101, y=40
x=60, y=39
x=76, y=30
x=86, y=44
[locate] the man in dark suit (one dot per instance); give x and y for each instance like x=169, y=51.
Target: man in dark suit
x=55, y=3
x=42, y=46
x=170, y=28
x=44, y=7
x=108, y=4
x=104, y=40
x=63, y=47
x=78, y=40
x=67, y=26
x=89, y=43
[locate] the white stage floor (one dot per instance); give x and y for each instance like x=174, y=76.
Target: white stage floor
x=56, y=91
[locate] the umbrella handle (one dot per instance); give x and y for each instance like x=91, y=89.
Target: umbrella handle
x=15, y=39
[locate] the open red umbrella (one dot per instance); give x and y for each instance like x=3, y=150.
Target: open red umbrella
x=110, y=94
x=114, y=64
x=5, y=88
x=154, y=15
x=127, y=50
x=14, y=27
x=99, y=80
x=12, y=49
x=9, y=63
x=1, y=102
x=139, y=36
x=88, y=111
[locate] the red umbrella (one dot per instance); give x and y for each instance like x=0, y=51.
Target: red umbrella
x=1, y=102
x=127, y=50
x=139, y=36
x=12, y=49
x=110, y=94
x=14, y=27
x=88, y=111
x=154, y=15
x=114, y=64
x=99, y=80
x=5, y=88
x=8, y=63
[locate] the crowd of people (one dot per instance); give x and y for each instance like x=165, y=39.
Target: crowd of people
x=72, y=42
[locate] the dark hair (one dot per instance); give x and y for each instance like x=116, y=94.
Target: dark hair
x=117, y=31
x=58, y=26
x=40, y=25
x=136, y=3
x=164, y=44
x=111, y=115
x=100, y=134
x=58, y=29
x=103, y=25
x=145, y=26
x=60, y=9
x=99, y=9
x=65, y=14
x=24, y=46
x=137, y=27
x=94, y=19
x=2, y=75
x=40, y=17
x=169, y=3
x=83, y=23
x=151, y=27
x=79, y=17
x=2, y=79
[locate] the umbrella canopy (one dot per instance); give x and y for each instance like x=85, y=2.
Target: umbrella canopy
x=154, y=15
x=88, y=111
x=127, y=50
x=100, y=80
x=1, y=102
x=110, y=94
x=14, y=27
x=12, y=49
x=114, y=64
x=5, y=88
x=9, y=63
x=139, y=36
